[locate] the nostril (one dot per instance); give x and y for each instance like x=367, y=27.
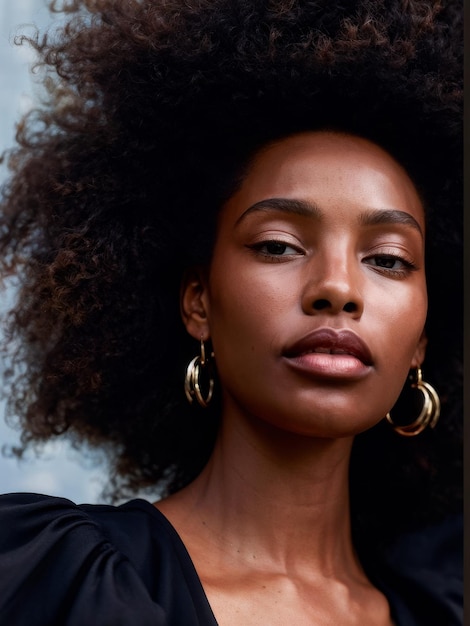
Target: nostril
x=350, y=307
x=318, y=305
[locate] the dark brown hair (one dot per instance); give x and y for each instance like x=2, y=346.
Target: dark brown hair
x=155, y=108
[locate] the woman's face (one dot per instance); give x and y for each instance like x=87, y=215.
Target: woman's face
x=315, y=300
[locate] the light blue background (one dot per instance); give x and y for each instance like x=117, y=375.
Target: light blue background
x=60, y=470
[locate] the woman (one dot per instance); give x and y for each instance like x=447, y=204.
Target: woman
x=219, y=230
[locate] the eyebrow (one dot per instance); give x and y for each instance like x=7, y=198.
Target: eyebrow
x=390, y=216
x=310, y=209
x=283, y=205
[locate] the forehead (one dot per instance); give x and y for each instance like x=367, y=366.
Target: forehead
x=328, y=168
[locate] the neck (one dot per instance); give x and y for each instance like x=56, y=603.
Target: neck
x=274, y=496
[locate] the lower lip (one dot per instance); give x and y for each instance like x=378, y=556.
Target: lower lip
x=337, y=366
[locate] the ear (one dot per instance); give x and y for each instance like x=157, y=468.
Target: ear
x=194, y=303
x=420, y=351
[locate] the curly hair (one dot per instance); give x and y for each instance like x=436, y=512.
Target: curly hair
x=154, y=111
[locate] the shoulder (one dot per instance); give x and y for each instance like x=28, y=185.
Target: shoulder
x=62, y=563
x=424, y=571
x=57, y=561
x=28, y=517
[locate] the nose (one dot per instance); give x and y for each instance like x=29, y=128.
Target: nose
x=333, y=286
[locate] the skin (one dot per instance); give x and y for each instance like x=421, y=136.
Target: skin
x=266, y=523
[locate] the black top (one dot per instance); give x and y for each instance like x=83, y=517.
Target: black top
x=126, y=566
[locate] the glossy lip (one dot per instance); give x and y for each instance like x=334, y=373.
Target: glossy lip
x=327, y=352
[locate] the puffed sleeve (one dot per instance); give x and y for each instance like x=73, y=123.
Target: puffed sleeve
x=58, y=567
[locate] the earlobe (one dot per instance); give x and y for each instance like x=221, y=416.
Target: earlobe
x=194, y=303
x=420, y=352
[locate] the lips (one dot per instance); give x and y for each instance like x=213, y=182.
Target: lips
x=329, y=341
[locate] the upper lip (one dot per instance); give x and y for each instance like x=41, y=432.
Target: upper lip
x=334, y=341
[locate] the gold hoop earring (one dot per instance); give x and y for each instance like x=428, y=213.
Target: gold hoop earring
x=192, y=381
x=429, y=413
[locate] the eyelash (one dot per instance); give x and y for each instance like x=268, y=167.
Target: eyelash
x=257, y=248
x=408, y=266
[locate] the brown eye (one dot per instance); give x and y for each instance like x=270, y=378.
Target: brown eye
x=276, y=250
x=390, y=264
x=386, y=261
x=275, y=247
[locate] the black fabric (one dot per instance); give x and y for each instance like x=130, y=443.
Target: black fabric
x=120, y=566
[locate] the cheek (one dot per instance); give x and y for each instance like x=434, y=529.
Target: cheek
x=397, y=324
x=252, y=306
x=248, y=318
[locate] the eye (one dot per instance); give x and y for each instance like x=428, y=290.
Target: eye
x=390, y=264
x=275, y=249
x=387, y=261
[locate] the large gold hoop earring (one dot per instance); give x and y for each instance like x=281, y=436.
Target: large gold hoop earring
x=192, y=381
x=429, y=413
